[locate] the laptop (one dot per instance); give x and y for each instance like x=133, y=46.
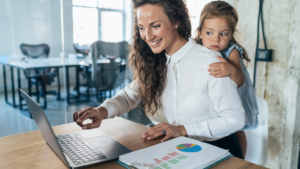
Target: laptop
x=76, y=149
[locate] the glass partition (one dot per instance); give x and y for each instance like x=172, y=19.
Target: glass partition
x=89, y=3
x=112, y=4
x=84, y=31
x=110, y=31
x=46, y=50
x=30, y=47
x=101, y=37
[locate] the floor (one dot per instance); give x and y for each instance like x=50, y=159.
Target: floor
x=13, y=121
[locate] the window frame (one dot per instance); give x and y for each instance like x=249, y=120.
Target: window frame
x=122, y=11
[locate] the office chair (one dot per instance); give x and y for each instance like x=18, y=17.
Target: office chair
x=117, y=49
x=257, y=139
x=41, y=76
x=104, y=75
x=83, y=51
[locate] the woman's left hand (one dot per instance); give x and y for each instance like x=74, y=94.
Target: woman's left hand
x=163, y=128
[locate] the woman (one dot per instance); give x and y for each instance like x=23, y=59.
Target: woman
x=170, y=72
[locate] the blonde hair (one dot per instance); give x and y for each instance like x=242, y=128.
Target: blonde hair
x=220, y=9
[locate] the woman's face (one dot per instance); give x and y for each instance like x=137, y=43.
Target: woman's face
x=215, y=34
x=156, y=29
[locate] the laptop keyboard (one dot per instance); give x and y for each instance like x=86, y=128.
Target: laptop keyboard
x=78, y=149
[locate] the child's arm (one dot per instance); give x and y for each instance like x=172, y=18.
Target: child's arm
x=230, y=67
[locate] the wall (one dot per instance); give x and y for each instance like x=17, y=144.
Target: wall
x=278, y=81
x=34, y=22
x=39, y=21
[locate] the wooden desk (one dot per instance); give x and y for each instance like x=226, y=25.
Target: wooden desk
x=29, y=150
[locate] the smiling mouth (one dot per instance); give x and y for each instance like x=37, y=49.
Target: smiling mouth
x=156, y=42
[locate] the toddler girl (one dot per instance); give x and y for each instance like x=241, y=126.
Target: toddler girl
x=217, y=26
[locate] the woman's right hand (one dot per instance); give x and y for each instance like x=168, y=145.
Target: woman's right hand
x=96, y=114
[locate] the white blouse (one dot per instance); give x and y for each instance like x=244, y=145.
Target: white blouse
x=209, y=108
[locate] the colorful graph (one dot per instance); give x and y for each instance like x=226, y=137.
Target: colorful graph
x=190, y=148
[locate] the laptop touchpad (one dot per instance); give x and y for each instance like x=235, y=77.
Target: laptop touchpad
x=102, y=142
x=108, y=146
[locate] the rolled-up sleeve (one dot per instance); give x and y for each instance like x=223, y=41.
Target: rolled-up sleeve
x=226, y=102
x=123, y=101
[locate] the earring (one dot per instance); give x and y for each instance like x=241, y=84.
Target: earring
x=176, y=26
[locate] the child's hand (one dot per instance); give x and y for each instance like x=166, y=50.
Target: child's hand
x=221, y=69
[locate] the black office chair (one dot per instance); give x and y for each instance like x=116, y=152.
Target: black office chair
x=104, y=75
x=84, y=50
x=42, y=76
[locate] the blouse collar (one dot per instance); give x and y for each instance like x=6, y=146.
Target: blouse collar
x=177, y=56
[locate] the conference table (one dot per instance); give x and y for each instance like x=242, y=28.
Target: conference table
x=29, y=150
x=21, y=64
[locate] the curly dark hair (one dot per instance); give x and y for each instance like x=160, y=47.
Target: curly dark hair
x=150, y=69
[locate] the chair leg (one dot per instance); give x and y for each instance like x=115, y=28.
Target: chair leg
x=37, y=90
x=58, y=85
x=29, y=86
x=88, y=92
x=101, y=98
x=44, y=94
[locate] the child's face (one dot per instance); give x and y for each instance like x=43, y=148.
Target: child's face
x=215, y=34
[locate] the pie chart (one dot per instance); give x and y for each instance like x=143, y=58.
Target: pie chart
x=189, y=148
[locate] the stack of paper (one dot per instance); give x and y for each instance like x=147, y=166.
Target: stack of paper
x=181, y=152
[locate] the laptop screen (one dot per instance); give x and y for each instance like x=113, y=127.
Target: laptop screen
x=44, y=126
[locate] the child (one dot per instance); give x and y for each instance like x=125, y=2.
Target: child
x=216, y=29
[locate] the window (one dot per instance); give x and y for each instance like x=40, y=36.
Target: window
x=195, y=7
x=99, y=20
x=85, y=25
x=110, y=31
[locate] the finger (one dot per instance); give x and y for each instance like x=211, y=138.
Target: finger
x=158, y=133
x=148, y=133
x=214, y=64
x=83, y=117
x=78, y=114
x=213, y=69
x=78, y=111
x=215, y=73
x=94, y=124
x=221, y=59
x=218, y=76
x=167, y=137
x=81, y=112
x=74, y=115
x=89, y=113
x=153, y=129
x=79, y=122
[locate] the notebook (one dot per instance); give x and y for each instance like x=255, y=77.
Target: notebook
x=178, y=153
x=77, y=149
